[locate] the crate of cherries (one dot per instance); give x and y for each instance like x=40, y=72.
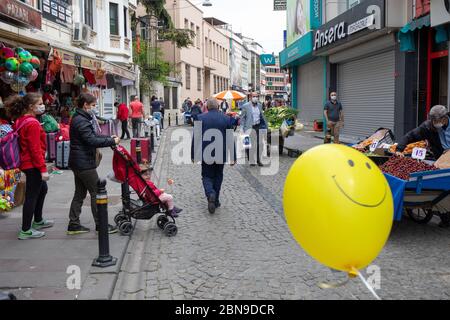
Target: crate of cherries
x=403, y=167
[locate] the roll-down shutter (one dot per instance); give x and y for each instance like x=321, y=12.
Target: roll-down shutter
x=367, y=93
x=310, y=91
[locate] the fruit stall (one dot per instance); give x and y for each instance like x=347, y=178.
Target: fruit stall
x=282, y=120
x=420, y=185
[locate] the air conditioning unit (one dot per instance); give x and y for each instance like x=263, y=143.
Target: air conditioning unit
x=81, y=33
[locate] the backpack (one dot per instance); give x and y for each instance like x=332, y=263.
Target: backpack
x=10, y=148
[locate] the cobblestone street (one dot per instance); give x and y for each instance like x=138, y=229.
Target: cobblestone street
x=245, y=250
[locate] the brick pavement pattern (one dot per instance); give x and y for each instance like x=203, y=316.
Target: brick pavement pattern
x=245, y=250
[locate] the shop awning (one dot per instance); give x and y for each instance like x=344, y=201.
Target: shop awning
x=406, y=34
x=298, y=52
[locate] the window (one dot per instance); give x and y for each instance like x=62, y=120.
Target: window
x=89, y=13
x=215, y=84
x=144, y=34
x=188, y=76
x=125, y=25
x=206, y=47
x=198, y=36
x=186, y=24
x=199, y=79
x=114, y=19
x=210, y=49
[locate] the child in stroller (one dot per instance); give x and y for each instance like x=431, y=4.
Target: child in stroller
x=165, y=198
x=129, y=174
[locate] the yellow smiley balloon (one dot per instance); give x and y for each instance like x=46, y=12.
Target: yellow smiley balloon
x=338, y=206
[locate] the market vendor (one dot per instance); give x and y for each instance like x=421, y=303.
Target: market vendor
x=435, y=130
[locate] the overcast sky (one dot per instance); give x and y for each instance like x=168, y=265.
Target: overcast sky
x=254, y=18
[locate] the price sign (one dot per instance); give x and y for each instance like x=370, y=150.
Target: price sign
x=419, y=153
x=373, y=146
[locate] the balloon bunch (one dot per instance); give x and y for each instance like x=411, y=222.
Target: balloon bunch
x=18, y=67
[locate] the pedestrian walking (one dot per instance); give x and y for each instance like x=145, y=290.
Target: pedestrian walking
x=212, y=166
x=334, y=114
x=252, y=122
x=122, y=116
x=137, y=115
x=163, y=109
x=224, y=106
x=156, y=109
x=84, y=159
x=23, y=111
x=196, y=110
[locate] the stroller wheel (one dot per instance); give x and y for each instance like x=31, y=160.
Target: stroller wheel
x=170, y=229
x=126, y=228
x=119, y=218
x=161, y=222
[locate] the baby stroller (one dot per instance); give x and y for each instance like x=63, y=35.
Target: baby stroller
x=127, y=171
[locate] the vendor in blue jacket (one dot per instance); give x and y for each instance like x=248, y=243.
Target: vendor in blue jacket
x=437, y=131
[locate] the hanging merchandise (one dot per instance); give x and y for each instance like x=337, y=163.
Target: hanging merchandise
x=100, y=73
x=18, y=67
x=56, y=64
x=89, y=76
x=79, y=80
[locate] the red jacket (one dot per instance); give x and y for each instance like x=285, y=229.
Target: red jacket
x=32, y=145
x=122, y=112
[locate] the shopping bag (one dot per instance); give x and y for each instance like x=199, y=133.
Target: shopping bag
x=19, y=194
x=284, y=129
x=246, y=141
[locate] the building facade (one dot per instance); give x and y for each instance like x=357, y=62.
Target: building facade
x=352, y=48
x=276, y=81
x=92, y=38
x=216, y=58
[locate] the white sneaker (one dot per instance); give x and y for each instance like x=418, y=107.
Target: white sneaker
x=30, y=234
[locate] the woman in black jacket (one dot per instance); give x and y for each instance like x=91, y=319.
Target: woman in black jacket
x=84, y=160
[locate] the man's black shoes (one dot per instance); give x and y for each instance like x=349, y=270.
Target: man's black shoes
x=212, y=203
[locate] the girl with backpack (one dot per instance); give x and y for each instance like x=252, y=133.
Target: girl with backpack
x=23, y=111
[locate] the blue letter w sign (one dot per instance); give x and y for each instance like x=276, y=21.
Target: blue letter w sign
x=268, y=60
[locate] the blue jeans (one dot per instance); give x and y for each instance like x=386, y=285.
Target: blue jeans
x=212, y=176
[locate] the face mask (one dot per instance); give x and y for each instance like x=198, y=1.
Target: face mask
x=438, y=125
x=333, y=98
x=40, y=109
x=255, y=100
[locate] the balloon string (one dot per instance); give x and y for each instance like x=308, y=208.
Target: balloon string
x=368, y=286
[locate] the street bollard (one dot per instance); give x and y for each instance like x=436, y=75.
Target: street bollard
x=104, y=259
x=176, y=119
x=169, y=120
x=152, y=139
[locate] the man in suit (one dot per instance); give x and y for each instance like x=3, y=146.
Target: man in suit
x=213, y=151
x=252, y=117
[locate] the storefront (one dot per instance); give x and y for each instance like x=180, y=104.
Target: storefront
x=308, y=78
x=362, y=55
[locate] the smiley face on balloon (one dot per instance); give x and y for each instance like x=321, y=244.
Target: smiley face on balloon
x=338, y=206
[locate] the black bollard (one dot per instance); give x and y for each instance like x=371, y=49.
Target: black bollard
x=176, y=119
x=169, y=119
x=104, y=259
x=152, y=139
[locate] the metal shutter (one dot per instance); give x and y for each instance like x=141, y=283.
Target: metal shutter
x=310, y=91
x=366, y=89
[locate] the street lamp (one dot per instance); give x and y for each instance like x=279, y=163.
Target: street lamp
x=207, y=3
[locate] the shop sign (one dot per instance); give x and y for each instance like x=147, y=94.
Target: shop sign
x=268, y=60
x=363, y=18
x=76, y=60
x=21, y=13
x=113, y=69
x=440, y=12
x=279, y=5
x=58, y=11
x=302, y=17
